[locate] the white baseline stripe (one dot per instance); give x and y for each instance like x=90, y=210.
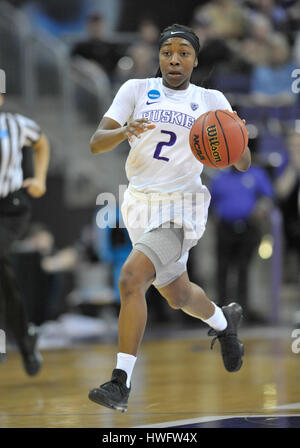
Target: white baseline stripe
x=286, y=406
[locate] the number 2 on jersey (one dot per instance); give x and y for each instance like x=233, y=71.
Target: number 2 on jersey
x=160, y=145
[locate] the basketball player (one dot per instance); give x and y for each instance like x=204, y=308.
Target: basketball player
x=159, y=113
x=17, y=131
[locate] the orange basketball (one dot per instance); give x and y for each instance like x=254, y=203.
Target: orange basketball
x=218, y=138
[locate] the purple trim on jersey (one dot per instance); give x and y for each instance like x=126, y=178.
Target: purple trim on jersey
x=169, y=116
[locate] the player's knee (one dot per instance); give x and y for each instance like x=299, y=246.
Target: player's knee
x=125, y=280
x=129, y=281
x=177, y=294
x=177, y=301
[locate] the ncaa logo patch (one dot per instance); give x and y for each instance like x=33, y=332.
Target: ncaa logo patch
x=194, y=106
x=153, y=94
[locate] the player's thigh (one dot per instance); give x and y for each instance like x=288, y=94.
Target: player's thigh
x=137, y=271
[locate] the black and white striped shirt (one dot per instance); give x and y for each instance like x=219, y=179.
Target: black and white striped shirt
x=16, y=131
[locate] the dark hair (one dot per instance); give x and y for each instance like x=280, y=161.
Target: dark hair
x=185, y=32
x=177, y=27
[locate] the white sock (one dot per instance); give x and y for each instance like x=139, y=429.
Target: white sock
x=126, y=362
x=217, y=320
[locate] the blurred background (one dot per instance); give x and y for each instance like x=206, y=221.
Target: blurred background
x=64, y=61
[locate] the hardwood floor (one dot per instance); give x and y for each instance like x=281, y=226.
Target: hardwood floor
x=174, y=379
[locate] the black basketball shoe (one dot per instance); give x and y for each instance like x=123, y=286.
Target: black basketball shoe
x=113, y=394
x=231, y=348
x=31, y=357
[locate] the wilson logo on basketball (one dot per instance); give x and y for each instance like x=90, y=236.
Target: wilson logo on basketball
x=197, y=146
x=214, y=143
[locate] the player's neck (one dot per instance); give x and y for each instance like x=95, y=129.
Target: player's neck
x=173, y=90
x=181, y=88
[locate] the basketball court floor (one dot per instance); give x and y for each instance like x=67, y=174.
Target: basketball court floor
x=178, y=382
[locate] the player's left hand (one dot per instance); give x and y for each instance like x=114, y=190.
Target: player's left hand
x=35, y=187
x=245, y=160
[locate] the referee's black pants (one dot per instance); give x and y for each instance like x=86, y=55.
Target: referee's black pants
x=14, y=218
x=236, y=244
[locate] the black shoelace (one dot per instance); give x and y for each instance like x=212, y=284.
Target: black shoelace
x=217, y=335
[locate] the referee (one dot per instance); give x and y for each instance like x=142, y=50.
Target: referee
x=17, y=131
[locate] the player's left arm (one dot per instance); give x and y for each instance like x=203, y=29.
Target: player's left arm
x=36, y=186
x=244, y=163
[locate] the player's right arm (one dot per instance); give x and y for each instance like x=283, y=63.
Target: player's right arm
x=110, y=133
x=115, y=126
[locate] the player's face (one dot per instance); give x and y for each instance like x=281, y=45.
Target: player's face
x=177, y=60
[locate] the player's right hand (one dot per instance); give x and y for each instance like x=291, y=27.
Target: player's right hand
x=137, y=127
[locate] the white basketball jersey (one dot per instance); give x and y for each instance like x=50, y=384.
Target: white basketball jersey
x=161, y=160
